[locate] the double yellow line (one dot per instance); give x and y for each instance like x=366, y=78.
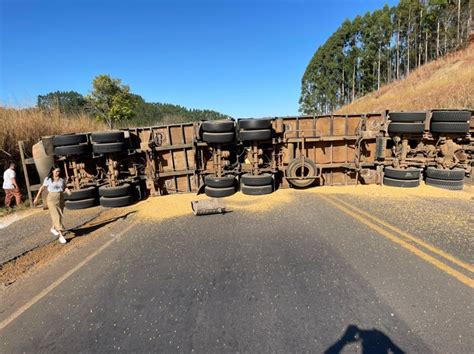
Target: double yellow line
x=406, y=240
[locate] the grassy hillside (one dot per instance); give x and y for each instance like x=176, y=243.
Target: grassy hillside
x=445, y=83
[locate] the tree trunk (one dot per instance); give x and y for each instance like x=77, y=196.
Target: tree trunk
x=459, y=24
x=398, y=51
x=426, y=47
x=437, y=41
x=353, y=83
x=378, y=69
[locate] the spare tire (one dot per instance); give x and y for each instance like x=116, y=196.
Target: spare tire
x=69, y=139
x=294, y=168
x=112, y=136
x=218, y=126
x=255, y=124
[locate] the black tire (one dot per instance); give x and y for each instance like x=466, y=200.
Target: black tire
x=112, y=192
x=116, y=201
x=403, y=183
x=452, y=175
x=69, y=139
x=219, y=182
x=84, y=193
x=449, y=127
x=219, y=192
x=395, y=173
x=445, y=184
x=292, y=171
x=80, y=204
x=255, y=124
x=407, y=116
x=255, y=135
x=406, y=128
x=114, y=136
x=68, y=150
x=108, y=148
x=256, y=190
x=218, y=126
x=218, y=138
x=451, y=116
x=256, y=180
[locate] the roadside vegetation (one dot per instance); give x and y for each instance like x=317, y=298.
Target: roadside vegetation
x=382, y=47
x=445, y=83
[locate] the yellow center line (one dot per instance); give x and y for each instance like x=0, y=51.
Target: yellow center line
x=426, y=257
x=429, y=247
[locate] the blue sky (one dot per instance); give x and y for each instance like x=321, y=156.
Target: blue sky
x=242, y=58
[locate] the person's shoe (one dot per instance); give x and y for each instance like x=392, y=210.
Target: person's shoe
x=62, y=239
x=54, y=231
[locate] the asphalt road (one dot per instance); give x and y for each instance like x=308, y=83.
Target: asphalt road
x=302, y=277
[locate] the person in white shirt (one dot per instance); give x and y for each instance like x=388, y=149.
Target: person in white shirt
x=10, y=186
x=56, y=187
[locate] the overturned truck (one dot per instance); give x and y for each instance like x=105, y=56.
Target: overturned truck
x=258, y=156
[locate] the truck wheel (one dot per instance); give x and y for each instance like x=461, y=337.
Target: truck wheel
x=219, y=192
x=406, y=128
x=257, y=180
x=118, y=191
x=454, y=185
x=107, y=148
x=438, y=173
x=80, y=204
x=396, y=173
x=449, y=127
x=218, y=126
x=218, y=138
x=305, y=168
x=68, y=150
x=255, y=135
x=403, y=183
x=256, y=190
x=84, y=193
x=69, y=139
x=407, y=117
x=255, y=124
x=113, y=136
x=451, y=116
x=115, y=202
x=219, y=182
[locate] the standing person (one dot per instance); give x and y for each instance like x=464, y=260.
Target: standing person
x=10, y=186
x=56, y=187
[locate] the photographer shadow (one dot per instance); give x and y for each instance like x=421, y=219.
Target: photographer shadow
x=371, y=341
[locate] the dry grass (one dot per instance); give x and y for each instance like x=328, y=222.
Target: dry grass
x=31, y=124
x=445, y=83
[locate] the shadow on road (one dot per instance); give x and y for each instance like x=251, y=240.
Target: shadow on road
x=371, y=341
x=82, y=231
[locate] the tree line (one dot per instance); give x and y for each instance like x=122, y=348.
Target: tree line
x=380, y=47
x=112, y=102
